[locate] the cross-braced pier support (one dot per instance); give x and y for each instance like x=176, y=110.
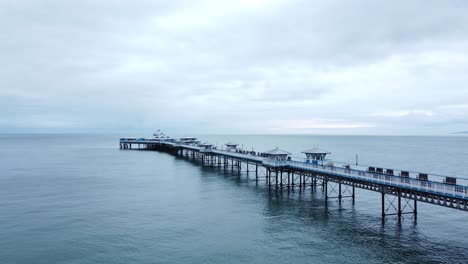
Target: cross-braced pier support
x=395, y=203
x=338, y=190
x=287, y=178
x=125, y=146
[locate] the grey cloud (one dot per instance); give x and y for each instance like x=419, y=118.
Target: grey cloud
x=88, y=64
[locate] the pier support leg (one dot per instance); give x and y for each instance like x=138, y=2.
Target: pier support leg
x=281, y=179
x=383, y=206
x=399, y=205
x=292, y=179
x=276, y=178
x=325, y=185
x=339, y=192
x=269, y=178
x=415, y=209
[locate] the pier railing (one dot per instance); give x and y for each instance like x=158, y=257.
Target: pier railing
x=410, y=183
x=238, y=155
x=395, y=171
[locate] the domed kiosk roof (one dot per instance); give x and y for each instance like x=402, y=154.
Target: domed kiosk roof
x=277, y=152
x=316, y=151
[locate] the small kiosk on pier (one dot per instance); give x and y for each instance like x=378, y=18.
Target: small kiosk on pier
x=206, y=145
x=315, y=155
x=188, y=140
x=231, y=146
x=277, y=155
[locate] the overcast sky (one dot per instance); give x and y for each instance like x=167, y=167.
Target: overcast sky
x=258, y=66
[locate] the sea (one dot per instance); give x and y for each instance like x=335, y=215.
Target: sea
x=78, y=198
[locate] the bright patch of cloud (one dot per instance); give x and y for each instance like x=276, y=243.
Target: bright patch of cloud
x=404, y=113
x=319, y=124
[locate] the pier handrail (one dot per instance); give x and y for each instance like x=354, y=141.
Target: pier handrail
x=463, y=181
x=235, y=154
x=415, y=184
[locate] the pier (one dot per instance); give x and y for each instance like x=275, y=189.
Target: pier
x=400, y=190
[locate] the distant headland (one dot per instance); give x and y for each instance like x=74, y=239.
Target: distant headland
x=460, y=133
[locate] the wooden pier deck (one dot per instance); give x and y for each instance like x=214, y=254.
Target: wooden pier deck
x=337, y=182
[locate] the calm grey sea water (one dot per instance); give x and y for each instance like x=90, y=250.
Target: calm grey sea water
x=79, y=199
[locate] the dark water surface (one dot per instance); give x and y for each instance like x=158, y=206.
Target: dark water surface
x=79, y=199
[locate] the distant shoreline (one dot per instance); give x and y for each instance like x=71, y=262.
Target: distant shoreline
x=460, y=133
